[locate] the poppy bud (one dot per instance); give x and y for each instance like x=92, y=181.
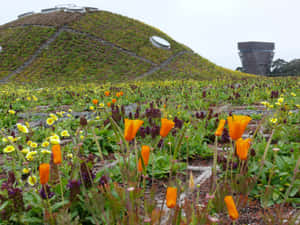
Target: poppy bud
x=171, y=197
x=220, y=128
x=233, y=213
x=44, y=173
x=145, y=156
x=57, y=159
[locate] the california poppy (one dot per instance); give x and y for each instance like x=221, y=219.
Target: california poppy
x=106, y=93
x=121, y=93
x=108, y=104
x=166, y=126
x=44, y=173
x=118, y=94
x=95, y=101
x=145, y=156
x=56, y=152
x=131, y=128
x=220, y=128
x=233, y=213
x=237, y=125
x=114, y=100
x=171, y=197
x=242, y=147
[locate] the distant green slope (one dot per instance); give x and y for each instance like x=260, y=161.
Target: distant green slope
x=77, y=57
x=96, y=46
x=19, y=44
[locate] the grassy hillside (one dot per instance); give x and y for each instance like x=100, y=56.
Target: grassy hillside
x=19, y=44
x=96, y=46
x=77, y=57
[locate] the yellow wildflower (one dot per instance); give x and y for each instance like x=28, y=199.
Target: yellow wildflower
x=9, y=149
x=54, y=139
x=29, y=142
x=25, y=150
x=293, y=94
x=22, y=128
x=50, y=121
x=101, y=105
x=33, y=145
x=92, y=107
x=65, y=133
x=53, y=116
x=280, y=100
x=4, y=140
x=26, y=170
x=45, y=144
x=45, y=151
x=70, y=155
x=32, y=180
x=34, y=98
x=273, y=120
x=13, y=112
x=29, y=98
x=30, y=155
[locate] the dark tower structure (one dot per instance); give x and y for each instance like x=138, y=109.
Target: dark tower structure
x=256, y=57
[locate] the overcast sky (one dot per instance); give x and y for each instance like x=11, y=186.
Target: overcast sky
x=211, y=28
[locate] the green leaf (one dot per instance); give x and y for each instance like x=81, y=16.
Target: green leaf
x=59, y=205
x=4, y=205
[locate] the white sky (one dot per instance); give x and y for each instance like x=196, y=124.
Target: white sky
x=211, y=28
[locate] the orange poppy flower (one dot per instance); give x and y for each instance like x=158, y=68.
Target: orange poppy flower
x=56, y=152
x=233, y=213
x=121, y=93
x=106, y=93
x=166, y=126
x=108, y=104
x=171, y=197
x=118, y=94
x=44, y=173
x=242, y=147
x=114, y=100
x=95, y=101
x=131, y=128
x=145, y=156
x=237, y=125
x=220, y=128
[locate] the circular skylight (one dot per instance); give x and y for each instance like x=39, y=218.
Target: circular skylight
x=160, y=42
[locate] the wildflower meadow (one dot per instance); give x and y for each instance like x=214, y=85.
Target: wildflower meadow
x=151, y=152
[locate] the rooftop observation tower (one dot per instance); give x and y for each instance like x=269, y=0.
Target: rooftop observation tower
x=256, y=57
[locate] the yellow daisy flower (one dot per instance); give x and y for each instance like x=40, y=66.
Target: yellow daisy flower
x=12, y=112
x=65, y=133
x=26, y=170
x=45, y=144
x=25, y=150
x=32, y=180
x=22, y=128
x=273, y=120
x=9, y=149
x=33, y=145
x=50, y=121
x=30, y=155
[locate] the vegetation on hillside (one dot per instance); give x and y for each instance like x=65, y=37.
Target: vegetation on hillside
x=83, y=57
x=74, y=57
x=19, y=44
x=127, y=33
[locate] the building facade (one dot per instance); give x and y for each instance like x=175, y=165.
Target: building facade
x=256, y=57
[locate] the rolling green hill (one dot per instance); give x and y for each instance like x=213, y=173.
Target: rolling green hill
x=95, y=46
